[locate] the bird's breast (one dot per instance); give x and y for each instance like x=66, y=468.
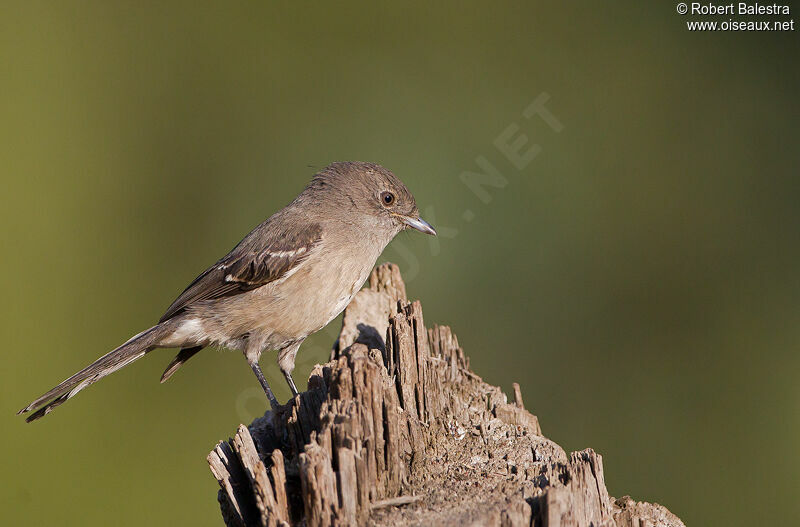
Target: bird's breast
x=314, y=294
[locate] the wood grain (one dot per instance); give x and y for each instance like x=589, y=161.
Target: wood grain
x=397, y=430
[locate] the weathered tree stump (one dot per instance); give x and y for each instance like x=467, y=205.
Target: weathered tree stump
x=396, y=430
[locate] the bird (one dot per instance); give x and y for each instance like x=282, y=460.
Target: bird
x=287, y=279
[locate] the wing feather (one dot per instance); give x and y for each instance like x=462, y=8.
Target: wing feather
x=265, y=255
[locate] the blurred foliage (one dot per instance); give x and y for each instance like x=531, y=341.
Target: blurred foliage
x=638, y=277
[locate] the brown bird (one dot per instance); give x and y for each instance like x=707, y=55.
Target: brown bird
x=285, y=280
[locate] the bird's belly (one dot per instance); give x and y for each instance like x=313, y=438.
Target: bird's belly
x=296, y=308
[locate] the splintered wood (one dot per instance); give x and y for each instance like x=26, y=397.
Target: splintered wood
x=397, y=430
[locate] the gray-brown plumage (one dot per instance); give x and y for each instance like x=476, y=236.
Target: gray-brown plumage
x=285, y=280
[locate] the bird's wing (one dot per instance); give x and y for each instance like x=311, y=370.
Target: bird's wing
x=265, y=255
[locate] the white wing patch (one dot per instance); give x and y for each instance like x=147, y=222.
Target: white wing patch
x=274, y=254
x=284, y=254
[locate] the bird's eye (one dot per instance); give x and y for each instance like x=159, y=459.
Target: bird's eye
x=387, y=198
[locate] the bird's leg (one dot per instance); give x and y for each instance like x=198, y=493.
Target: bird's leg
x=267, y=390
x=286, y=363
x=289, y=380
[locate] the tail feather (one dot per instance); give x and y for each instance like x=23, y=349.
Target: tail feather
x=182, y=356
x=135, y=348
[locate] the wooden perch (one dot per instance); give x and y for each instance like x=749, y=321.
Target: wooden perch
x=396, y=430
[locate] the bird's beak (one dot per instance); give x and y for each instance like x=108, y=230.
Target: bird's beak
x=419, y=224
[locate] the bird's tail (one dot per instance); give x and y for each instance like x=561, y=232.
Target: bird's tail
x=117, y=359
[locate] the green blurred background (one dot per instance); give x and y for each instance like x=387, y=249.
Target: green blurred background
x=638, y=278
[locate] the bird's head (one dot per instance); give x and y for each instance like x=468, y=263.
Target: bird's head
x=370, y=193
